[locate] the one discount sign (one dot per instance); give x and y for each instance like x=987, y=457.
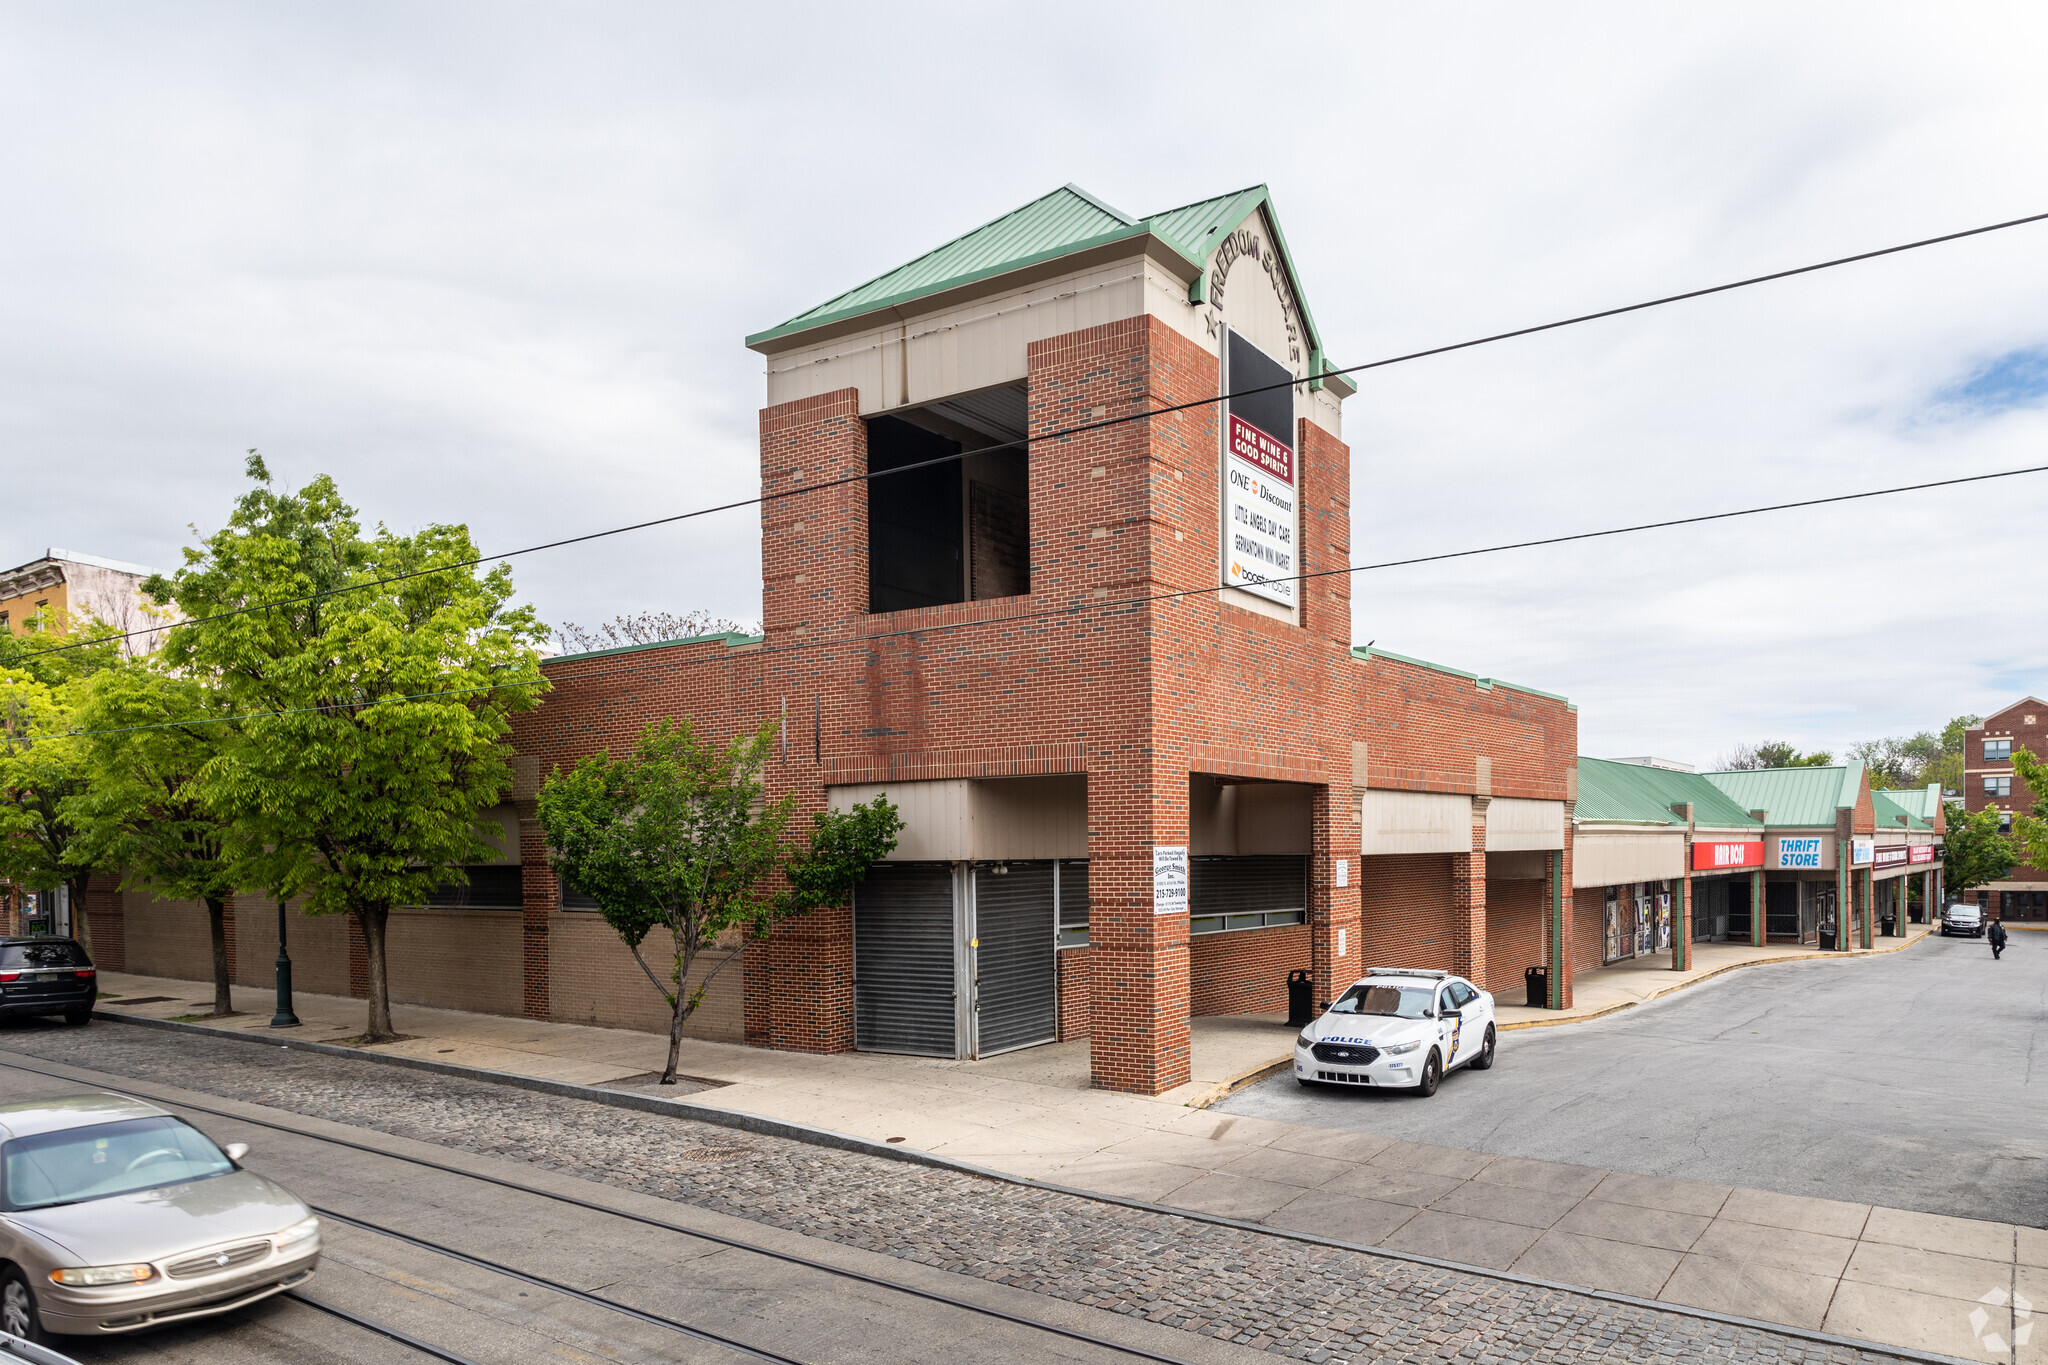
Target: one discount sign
x=1259, y=515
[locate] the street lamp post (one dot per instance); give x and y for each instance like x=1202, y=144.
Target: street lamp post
x=284, y=1018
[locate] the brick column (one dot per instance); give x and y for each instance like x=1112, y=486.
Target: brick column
x=359, y=957
x=1681, y=920
x=1138, y=961
x=1756, y=908
x=1334, y=910
x=539, y=894
x=1468, y=902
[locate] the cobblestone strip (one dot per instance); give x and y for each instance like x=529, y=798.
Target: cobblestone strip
x=1295, y=1299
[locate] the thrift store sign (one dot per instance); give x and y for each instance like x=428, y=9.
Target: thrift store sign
x=1796, y=851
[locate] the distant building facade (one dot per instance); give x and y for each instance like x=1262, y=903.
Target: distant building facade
x=65, y=585
x=1989, y=783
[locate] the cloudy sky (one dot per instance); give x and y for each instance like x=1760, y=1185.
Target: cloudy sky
x=493, y=263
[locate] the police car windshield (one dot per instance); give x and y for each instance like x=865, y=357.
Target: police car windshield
x=1401, y=1002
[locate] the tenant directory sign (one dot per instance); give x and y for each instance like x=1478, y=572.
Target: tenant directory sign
x=1260, y=474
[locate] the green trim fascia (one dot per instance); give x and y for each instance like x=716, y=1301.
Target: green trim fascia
x=1367, y=653
x=1362, y=653
x=807, y=324
x=731, y=638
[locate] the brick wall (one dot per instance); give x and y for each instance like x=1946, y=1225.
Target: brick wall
x=1589, y=927
x=104, y=908
x=1514, y=934
x=1245, y=972
x=1405, y=919
x=1076, y=1000
x=2025, y=723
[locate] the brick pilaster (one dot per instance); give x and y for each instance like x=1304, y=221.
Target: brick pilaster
x=1468, y=902
x=358, y=959
x=1138, y=960
x=539, y=894
x=1334, y=910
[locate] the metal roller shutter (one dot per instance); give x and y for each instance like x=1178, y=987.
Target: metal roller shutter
x=903, y=994
x=1243, y=885
x=1013, y=922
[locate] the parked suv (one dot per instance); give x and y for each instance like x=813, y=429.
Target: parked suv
x=1963, y=919
x=47, y=975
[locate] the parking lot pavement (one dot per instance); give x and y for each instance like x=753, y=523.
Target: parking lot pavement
x=1221, y=1287
x=1918, y=1080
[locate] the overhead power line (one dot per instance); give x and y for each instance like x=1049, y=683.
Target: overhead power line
x=1073, y=609
x=1082, y=429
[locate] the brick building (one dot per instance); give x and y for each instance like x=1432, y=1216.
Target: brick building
x=1990, y=782
x=1144, y=773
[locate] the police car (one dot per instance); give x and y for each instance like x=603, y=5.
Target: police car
x=1398, y=1028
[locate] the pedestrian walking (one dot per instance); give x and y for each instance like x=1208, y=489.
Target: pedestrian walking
x=1997, y=936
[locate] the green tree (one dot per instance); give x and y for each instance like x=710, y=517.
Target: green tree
x=2030, y=832
x=1975, y=852
x=677, y=836
x=374, y=713
x=44, y=672
x=149, y=735
x=1774, y=754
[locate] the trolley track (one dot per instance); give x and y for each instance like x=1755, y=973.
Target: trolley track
x=593, y=1206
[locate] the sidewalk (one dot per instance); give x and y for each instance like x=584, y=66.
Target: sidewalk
x=1900, y=1278
x=1603, y=990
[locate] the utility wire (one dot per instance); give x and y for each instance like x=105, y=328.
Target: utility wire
x=1071, y=610
x=1082, y=429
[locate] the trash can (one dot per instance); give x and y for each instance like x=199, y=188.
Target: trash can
x=1538, y=981
x=1301, y=995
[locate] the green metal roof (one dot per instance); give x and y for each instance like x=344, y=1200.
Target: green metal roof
x=1793, y=797
x=732, y=639
x=1053, y=225
x=1922, y=803
x=1889, y=809
x=1633, y=793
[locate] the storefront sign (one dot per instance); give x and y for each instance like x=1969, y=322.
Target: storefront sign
x=1715, y=857
x=1892, y=855
x=1170, y=881
x=1860, y=851
x=1802, y=851
x=1921, y=853
x=1260, y=553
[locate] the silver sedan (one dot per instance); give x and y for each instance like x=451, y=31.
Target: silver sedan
x=117, y=1216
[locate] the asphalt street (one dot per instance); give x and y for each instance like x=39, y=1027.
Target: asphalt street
x=1917, y=1080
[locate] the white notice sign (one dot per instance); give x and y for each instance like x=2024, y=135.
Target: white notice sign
x=1169, y=881
x=1343, y=879
x=1261, y=476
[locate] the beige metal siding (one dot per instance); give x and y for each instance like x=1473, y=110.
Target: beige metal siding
x=1414, y=822
x=1609, y=857
x=1513, y=823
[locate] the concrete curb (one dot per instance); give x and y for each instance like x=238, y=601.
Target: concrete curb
x=825, y=1137
x=1854, y=955
x=1223, y=1090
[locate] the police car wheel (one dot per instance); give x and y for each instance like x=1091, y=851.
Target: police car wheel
x=1485, y=1057
x=1432, y=1072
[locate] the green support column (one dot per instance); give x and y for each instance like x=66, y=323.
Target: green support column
x=1756, y=908
x=1681, y=924
x=1869, y=905
x=1559, y=948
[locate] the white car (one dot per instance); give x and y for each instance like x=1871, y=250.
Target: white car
x=1398, y=1028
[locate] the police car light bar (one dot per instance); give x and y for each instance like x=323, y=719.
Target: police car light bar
x=1405, y=971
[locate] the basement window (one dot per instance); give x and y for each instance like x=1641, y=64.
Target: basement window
x=492, y=886
x=957, y=529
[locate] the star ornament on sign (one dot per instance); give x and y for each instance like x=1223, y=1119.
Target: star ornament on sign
x=2022, y=1320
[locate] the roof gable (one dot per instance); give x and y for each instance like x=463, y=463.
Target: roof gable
x=1893, y=815
x=1799, y=797
x=2022, y=704
x=1632, y=793
x=1066, y=221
